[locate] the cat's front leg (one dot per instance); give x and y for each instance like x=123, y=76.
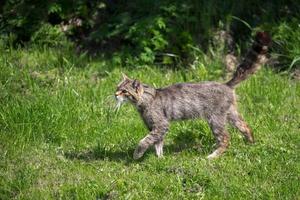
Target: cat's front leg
x=145, y=143
x=159, y=148
x=154, y=137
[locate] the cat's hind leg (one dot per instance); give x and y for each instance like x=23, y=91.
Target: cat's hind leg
x=217, y=125
x=237, y=121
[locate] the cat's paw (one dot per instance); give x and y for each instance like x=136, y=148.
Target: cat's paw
x=213, y=155
x=138, y=153
x=250, y=140
x=160, y=156
x=137, y=156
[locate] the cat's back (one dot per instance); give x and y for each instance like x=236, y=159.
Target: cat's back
x=189, y=100
x=207, y=88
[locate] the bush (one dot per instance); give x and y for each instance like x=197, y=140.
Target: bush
x=50, y=36
x=144, y=31
x=287, y=44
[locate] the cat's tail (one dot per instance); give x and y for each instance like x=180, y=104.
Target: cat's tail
x=255, y=57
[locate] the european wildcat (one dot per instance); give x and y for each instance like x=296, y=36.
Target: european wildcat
x=212, y=101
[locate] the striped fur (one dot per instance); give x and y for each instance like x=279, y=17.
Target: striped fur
x=212, y=101
x=255, y=57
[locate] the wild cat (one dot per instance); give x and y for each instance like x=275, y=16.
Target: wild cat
x=213, y=101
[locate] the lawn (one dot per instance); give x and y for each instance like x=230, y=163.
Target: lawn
x=62, y=139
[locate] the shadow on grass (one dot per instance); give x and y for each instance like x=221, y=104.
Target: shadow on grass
x=184, y=141
x=187, y=140
x=98, y=153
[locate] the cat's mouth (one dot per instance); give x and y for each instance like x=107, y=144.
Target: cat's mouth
x=120, y=100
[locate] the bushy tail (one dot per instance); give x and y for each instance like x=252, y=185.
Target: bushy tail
x=255, y=57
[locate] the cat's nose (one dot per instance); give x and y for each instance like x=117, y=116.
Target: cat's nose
x=117, y=94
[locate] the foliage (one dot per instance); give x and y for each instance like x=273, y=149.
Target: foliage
x=143, y=31
x=50, y=36
x=288, y=42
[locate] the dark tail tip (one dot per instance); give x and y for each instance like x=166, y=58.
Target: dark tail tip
x=263, y=38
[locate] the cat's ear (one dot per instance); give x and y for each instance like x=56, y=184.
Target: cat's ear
x=136, y=84
x=125, y=77
x=138, y=87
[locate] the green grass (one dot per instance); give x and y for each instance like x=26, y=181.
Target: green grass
x=60, y=138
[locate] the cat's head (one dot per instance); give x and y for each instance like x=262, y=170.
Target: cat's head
x=129, y=90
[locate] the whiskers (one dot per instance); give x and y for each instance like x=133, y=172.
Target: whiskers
x=117, y=106
x=111, y=107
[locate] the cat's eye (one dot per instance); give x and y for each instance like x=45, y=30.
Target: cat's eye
x=124, y=91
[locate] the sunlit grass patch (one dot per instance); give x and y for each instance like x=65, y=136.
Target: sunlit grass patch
x=62, y=139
